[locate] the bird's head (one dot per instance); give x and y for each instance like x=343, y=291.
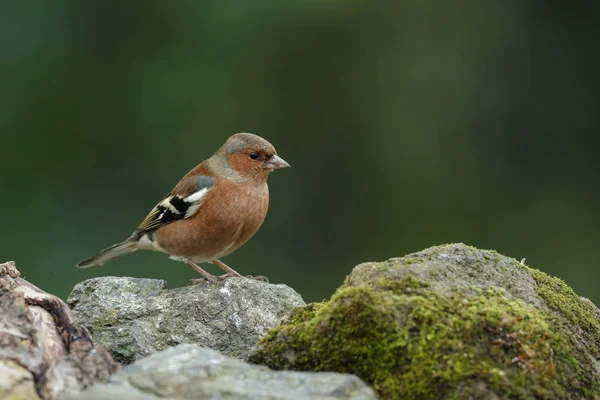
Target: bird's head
x=250, y=157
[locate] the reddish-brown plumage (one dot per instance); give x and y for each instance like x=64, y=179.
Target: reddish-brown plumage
x=230, y=215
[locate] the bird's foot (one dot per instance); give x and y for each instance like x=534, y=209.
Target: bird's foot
x=212, y=278
x=254, y=278
x=231, y=272
x=206, y=277
x=219, y=278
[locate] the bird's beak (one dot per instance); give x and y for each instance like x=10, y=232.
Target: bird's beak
x=276, y=162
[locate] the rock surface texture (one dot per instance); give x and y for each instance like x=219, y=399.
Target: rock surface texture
x=191, y=372
x=448, y=322
x=44, y=353
x=134, y=317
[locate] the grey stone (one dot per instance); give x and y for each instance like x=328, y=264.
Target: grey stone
x=191, y=372
x=455, y=267
x=135, y=317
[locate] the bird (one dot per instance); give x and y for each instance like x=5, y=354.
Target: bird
x=212, y=211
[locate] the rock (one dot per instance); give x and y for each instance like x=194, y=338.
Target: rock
x=191, y=372
x=134, y=317
x=44, y=353
x=16, y=382
x=448, y=322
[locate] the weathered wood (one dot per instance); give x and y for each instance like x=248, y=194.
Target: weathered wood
x=41, y=344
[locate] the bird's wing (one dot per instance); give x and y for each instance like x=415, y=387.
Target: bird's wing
x=182, y=203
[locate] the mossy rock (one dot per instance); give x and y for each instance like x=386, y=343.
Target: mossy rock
x=448, y=322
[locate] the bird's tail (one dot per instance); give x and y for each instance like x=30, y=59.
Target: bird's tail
x=116, y=250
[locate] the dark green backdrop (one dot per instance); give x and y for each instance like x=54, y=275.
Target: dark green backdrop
x=407, y=124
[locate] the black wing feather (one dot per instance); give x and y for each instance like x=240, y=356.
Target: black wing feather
x=175, y=207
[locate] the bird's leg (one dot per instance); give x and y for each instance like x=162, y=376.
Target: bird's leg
x=225, y=268
x=231, y=272
x=206, y=275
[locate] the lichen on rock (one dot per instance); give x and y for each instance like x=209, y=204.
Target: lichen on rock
x=448, y=322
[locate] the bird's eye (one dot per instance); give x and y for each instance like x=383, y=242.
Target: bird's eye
x=254, y=155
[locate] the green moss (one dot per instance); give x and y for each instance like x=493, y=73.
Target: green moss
x=563, y=299
x=407, y=284
x=579, y=323
x=409, y=342
x=303, y=314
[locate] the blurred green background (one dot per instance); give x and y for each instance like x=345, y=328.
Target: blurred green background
x=407, y=124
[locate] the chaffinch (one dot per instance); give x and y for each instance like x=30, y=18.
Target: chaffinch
x=211, y=212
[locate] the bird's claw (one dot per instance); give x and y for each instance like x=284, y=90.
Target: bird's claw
x=214, y=278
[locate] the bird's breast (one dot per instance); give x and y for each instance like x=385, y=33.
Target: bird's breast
x=229, y=216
